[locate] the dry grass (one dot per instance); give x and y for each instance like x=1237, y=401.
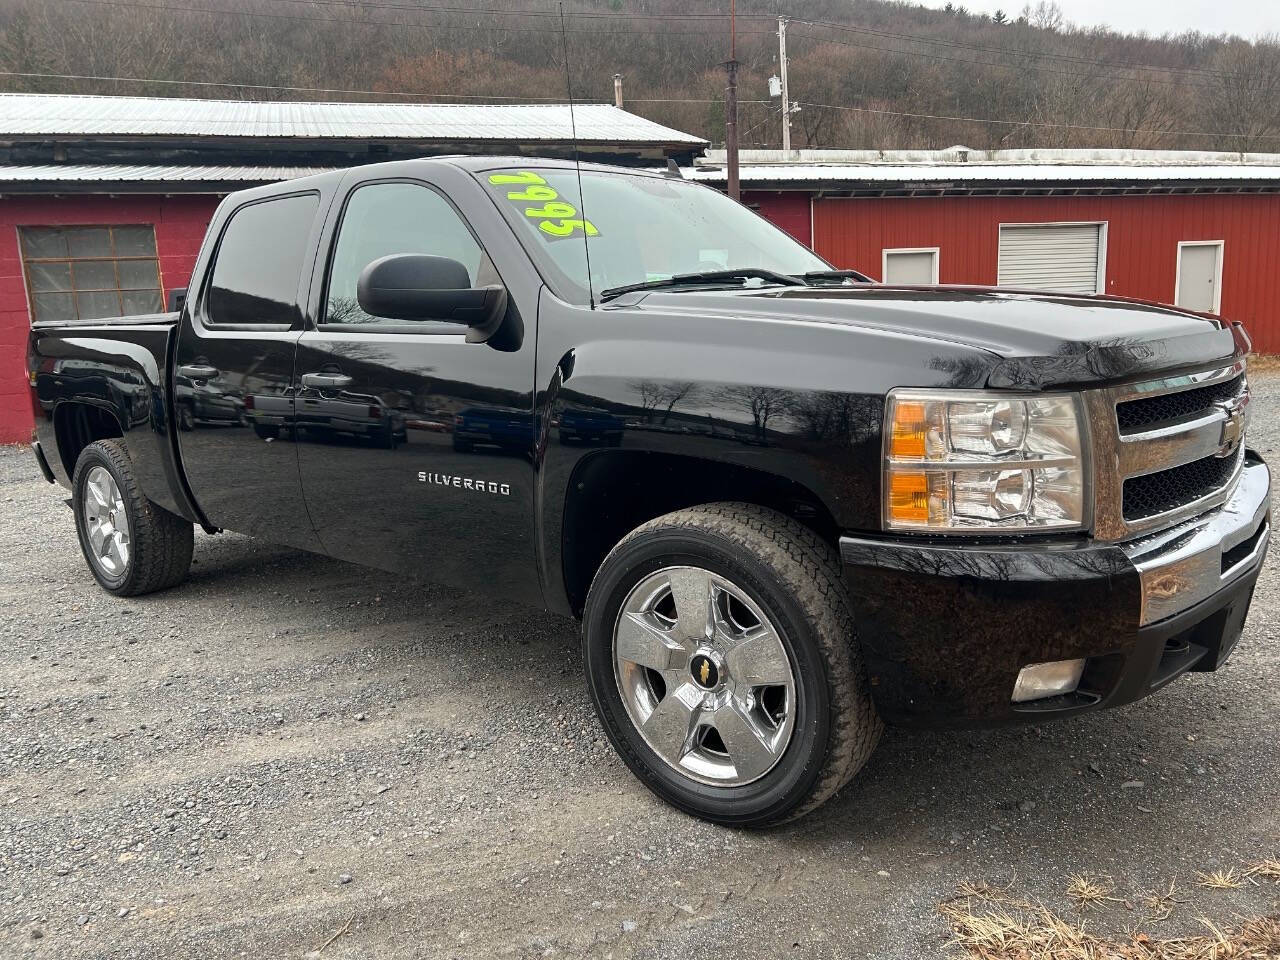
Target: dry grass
x=1160, y=906
x=1089, y=892
x=1264, y=361
x=1268, y=869
x=1220, y=879
x=996, y=925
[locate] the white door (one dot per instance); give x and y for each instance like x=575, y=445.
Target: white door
x=916, y=267
x=1200, y=276
x=1060, y=257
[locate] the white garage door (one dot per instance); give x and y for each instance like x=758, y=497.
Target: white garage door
x=1064, y=258
x=915, y=267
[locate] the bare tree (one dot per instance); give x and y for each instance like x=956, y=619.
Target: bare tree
x=1243, y=102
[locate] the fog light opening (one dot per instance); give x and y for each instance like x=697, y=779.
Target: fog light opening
x=1038, y=681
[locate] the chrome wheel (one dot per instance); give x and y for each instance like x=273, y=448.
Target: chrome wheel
x=106, y=522
x=704, y=676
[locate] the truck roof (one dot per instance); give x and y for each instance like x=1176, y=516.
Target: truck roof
x=468, y=162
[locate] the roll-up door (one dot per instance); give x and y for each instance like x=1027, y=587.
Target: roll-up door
x=1062, y=257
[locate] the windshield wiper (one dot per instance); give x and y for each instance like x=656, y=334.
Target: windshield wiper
x=709, y=276
x=819, y=277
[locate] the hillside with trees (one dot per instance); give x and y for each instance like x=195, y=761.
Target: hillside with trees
x=865, y=73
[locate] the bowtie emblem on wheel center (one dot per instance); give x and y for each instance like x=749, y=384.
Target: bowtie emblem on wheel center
x=706, y=673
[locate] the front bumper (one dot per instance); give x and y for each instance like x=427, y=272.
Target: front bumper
x=945, y=628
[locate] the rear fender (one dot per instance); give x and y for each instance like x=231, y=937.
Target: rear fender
x=121, y=372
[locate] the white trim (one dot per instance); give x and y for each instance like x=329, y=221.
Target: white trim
x=812, y=234
x=1103, y=225
x=886, y=251
x=1217, y=279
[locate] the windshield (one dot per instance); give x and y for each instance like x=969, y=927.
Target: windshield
x=638, y=228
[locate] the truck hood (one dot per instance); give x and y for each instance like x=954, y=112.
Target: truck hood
x=1035, y=340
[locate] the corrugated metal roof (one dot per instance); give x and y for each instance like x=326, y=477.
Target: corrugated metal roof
x=60, y=115
x=960, y=164
x=912, y=173
x=133, y=173
x=1032, y=155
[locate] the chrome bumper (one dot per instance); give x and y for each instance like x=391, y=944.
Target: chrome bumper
x=1185, y=564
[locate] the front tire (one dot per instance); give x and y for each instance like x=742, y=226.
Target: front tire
x=721, y=656
x=132, y=545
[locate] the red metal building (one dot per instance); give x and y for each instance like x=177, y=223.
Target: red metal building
x=1200, y=230
x=104, y=201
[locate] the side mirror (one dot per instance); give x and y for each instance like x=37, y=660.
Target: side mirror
x=413, y=286
x=177, y=299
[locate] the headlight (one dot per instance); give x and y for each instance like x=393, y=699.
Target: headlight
x=964, y=461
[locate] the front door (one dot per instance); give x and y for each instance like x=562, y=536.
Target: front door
x=416, y=446
x=1199, y=275
x=233, y=371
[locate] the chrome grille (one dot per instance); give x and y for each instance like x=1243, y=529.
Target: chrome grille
x=1156, y=493
x=1136, y=415
x=1165, y=449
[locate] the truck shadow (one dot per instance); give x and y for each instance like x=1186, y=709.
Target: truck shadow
x=1104, y=791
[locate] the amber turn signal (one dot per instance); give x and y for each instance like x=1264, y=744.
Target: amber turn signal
x=909, y=427
x=909, y=497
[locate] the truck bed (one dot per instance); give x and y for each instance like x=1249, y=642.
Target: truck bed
x=136, y=320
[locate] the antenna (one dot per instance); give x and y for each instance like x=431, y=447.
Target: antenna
x=577, y=160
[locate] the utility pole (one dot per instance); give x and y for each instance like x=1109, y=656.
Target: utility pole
x=617, y=90
x=786, y=100
x=731, y=104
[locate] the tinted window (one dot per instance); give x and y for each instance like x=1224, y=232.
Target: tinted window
x=387, y=218
x=90, y=272
x=638, y=228
x=255, y=277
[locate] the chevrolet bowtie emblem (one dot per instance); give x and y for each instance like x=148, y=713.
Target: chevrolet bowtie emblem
x=704, y=672
x=1233, y=426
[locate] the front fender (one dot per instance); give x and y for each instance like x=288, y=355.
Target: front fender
x=801, y=402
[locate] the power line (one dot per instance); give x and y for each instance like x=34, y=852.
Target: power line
x=269, y=86
x=588, y=15
x=603, y=16
x=695, y=17
x=439, y=97
x=829, y=24
x=553, y=100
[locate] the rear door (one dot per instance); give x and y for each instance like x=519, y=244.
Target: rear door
x=232, y=392
x=416, y=447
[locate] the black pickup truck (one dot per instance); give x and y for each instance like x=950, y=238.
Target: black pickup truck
x=787, y=504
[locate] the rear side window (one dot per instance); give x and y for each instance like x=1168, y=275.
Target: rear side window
x=259, y=262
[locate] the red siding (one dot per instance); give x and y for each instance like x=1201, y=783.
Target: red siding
x=790, y=211
x=1142, y=241
x=179, y=223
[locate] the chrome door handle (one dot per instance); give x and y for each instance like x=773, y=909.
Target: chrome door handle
x=326, y=381
x=197, y=371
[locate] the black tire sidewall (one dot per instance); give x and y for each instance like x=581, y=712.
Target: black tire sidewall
x=90, y=458
x=789, y=783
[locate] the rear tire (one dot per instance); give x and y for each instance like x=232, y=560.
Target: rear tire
x=774, y=588
x=132, y=545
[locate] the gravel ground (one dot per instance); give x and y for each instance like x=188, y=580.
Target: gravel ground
x=286, y=747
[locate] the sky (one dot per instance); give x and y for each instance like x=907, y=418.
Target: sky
x=1247, y=18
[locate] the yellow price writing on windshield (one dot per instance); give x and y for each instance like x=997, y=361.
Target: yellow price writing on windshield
x=556, y=218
